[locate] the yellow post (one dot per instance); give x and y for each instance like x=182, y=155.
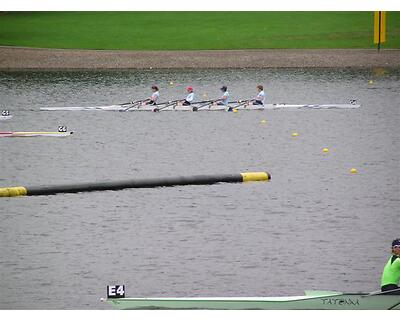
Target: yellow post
x=379, y=27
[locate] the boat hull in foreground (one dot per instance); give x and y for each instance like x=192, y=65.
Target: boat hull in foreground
x=320, y=301
x=34, y=134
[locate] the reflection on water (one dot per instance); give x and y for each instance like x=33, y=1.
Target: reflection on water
x=306, y=229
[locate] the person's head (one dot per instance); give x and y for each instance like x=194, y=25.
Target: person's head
x=224, y=88
x=154, y=88
x=396, y=247
x=260, y=88
x=189, y=89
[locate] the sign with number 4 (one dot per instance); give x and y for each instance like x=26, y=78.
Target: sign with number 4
x=116, y=291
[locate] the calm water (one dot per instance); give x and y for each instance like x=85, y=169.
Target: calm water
x=313, y=226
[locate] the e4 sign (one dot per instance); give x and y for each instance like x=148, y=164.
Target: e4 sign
x=116, y=291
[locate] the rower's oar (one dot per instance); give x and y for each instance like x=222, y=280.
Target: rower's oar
x=133, y=104
x=197, y=102
x=204, y=105
x=379, y=292
x=167, y=104
x=242, y=103
x=209, y=102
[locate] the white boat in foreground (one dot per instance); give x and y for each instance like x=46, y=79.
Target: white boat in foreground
x=10, y=134
x=312, y=300
x=209, y=107
x=5, y=117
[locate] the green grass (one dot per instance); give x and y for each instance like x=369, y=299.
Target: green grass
x=194, y=30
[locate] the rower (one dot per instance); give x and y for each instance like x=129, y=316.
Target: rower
x=391, y=272
x=154, y=97
x=259, y=99
x=223, y=101
x=190, y=97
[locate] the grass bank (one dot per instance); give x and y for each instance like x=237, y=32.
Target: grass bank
x=194, y=30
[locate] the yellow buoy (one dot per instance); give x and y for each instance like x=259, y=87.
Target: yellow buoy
x=295, y=134
x=325, y=150
x=353, y=170
x=235, y=110
x=263, y=121
x=205, y=95
x=370, y=81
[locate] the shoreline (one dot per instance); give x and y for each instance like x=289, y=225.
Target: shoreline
x=21, y=58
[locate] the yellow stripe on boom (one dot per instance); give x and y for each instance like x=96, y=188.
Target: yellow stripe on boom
x=255, y=176
x=13, y=192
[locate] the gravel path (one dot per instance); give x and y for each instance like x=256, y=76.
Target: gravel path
x=30, y=58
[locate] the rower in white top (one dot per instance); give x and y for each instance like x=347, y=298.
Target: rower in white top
x=154, y=97
x=224, y=100
x=260, y=98
x=189, y=99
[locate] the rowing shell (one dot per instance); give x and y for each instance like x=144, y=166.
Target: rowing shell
x=5, y=117
x=312, y=300
x=206, y=108
x=34, y=134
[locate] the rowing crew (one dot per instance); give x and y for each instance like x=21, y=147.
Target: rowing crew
x=222, y=101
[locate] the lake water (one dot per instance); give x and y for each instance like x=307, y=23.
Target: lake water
x=313, y=226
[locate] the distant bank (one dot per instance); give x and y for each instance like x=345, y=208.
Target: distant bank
x=121, y=40
x=195, y=30
x=12, y=58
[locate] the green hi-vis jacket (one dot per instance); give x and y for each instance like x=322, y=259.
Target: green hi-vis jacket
x=391, y=272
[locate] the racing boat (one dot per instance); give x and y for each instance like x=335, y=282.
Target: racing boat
x=5, y=115
x=207, y=107
x=10, y=134
x=312, y=300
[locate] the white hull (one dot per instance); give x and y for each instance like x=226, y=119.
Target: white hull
x=311, y=106
x=205, y=108
x=34, y=134
x=312, y=301
x=3, y=118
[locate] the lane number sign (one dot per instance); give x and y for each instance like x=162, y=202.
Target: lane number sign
x=116, y=291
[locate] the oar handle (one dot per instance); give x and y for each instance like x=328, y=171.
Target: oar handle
x=197, y=102
x=133, y=104
x=242, y=101
x=375, y=293
x=235, y=107
x=167, y=104
x=204, y=105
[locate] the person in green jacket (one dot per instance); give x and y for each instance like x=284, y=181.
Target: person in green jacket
x=391, y=272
